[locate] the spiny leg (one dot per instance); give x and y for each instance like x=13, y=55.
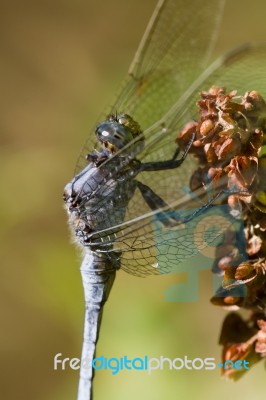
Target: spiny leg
x=168, y=164
x=168, y=216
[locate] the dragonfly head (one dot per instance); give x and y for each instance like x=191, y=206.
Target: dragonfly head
x=117, y=132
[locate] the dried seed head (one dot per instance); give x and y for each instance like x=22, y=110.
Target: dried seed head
x=230, y=300
x=206, y=127
x=229, y=135
x=244, y=271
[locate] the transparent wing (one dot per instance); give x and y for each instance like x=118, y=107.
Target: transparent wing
x=146, y=246
x=167, y=74
x=174, y=51
x=159, y=250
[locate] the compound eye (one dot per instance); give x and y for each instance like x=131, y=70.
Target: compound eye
x=103, y=131
x=113, y=135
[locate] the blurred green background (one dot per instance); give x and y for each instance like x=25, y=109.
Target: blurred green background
x=61, y=61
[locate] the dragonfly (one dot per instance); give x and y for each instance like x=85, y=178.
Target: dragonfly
x=127, y=204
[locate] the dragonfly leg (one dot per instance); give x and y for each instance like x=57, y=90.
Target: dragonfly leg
x=168, y=216
x=168, y=164
x=155, y=202
x=152, y=199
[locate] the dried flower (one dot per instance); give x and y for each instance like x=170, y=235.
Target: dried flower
x=228, y=139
